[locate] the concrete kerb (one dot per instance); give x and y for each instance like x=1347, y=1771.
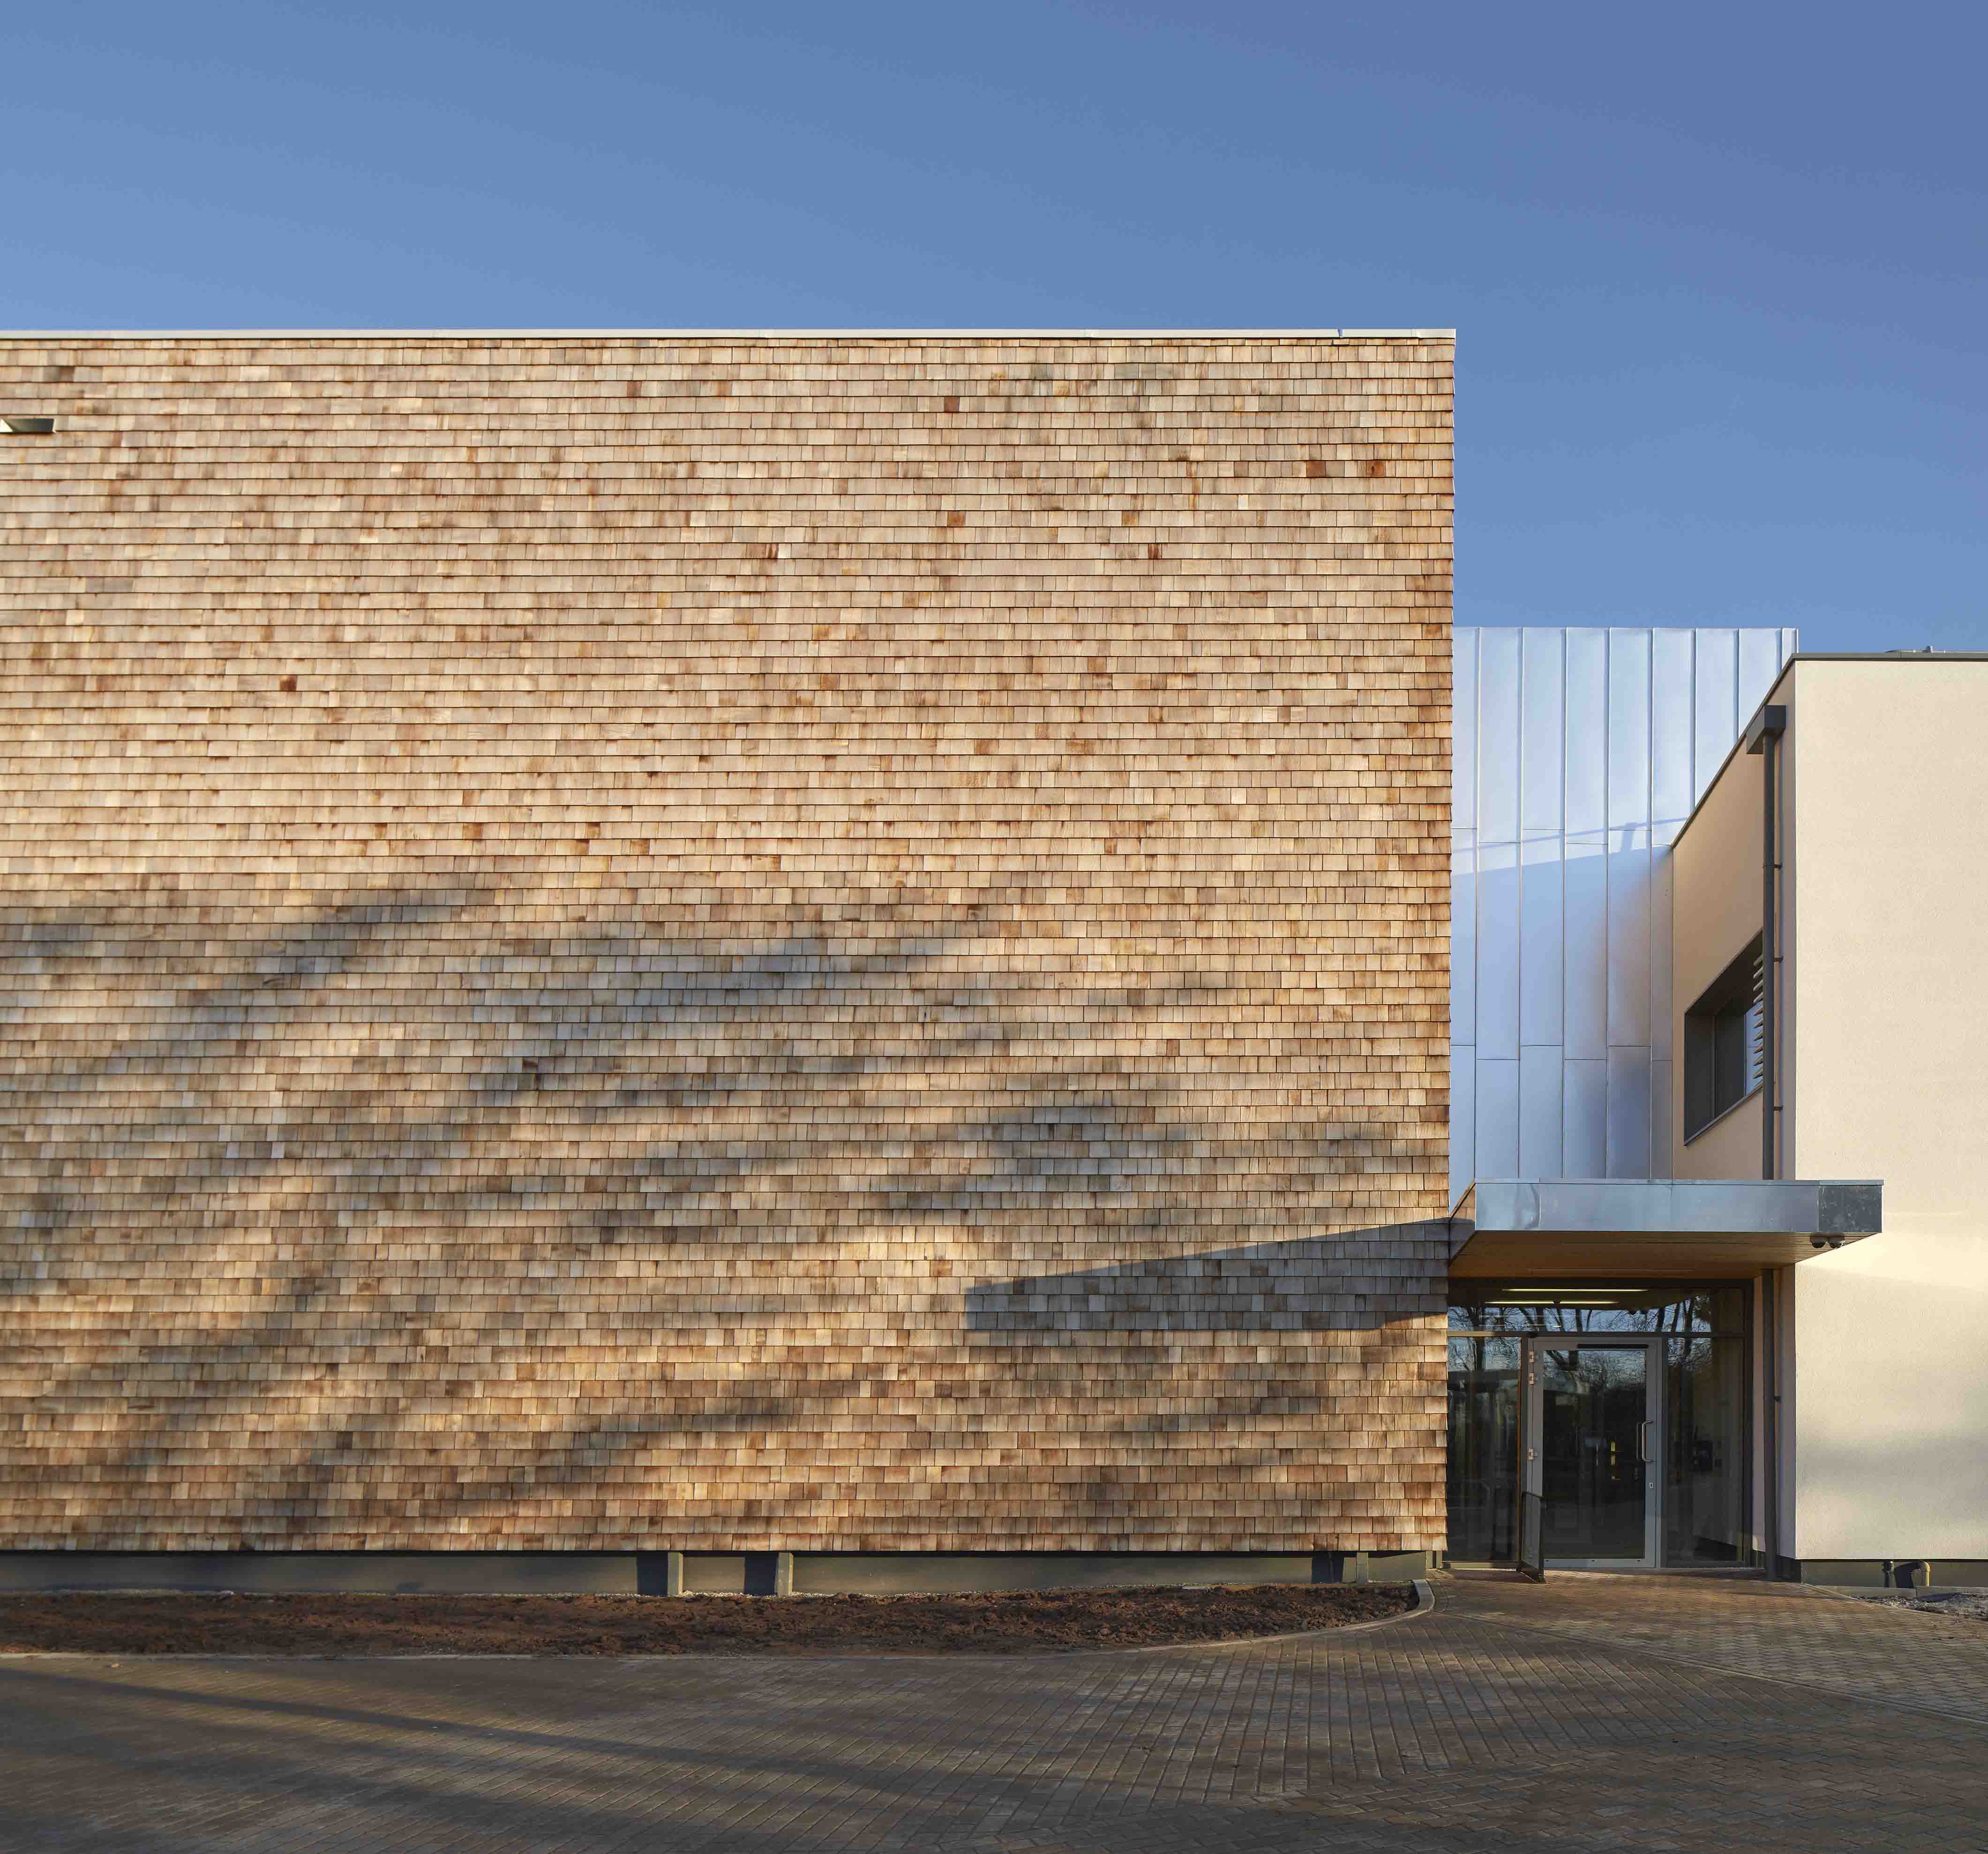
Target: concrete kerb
x=1424, y=1603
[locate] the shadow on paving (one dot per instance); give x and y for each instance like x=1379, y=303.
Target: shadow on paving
x=1455, y=1731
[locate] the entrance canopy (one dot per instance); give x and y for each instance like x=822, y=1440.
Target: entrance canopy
x=1520, y=1229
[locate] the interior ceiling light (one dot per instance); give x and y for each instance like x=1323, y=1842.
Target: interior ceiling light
x=27, y=425
x=1564, y=1300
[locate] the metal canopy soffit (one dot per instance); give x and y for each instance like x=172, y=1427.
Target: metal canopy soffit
x=1657, y=1226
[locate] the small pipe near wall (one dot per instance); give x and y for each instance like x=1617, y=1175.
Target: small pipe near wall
x=1764, y=737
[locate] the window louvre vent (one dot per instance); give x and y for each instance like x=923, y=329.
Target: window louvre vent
x=1756, y=1023
x=1725, y=1054
x=27, y=425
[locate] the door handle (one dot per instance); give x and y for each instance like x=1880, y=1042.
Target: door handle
x=1643, y=1441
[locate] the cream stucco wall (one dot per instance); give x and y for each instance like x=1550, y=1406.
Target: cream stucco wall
x=1886, y=991
x=1716, y=911
x=1729, y=1148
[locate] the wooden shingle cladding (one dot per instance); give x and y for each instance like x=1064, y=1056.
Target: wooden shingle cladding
x=733, y=943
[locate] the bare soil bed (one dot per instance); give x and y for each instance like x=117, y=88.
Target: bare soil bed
x=1033, y=1622
x=1966, y=1605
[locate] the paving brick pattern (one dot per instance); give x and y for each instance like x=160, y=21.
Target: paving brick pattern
x=1595, y=1713
x=740, y=944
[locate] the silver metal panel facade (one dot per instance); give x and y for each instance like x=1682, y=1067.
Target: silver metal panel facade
x=1580, y=753
x=1711, y=1206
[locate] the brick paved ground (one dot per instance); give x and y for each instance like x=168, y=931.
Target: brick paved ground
x=1595, y=1713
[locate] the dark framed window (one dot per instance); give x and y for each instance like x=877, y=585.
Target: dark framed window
x=1724, y=1058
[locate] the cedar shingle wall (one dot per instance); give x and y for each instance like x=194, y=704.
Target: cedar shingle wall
x=724, y=944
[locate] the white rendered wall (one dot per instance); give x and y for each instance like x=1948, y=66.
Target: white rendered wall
x=1579, y=752
x=1886, y=967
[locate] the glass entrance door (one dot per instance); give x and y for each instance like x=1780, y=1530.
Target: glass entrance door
x=1652, y=1374
x=1592, y=1416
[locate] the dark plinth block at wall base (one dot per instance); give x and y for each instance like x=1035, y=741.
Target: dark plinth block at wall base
x=1707, y=1228
x=703, y=1573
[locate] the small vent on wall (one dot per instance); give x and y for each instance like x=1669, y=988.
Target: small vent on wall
x=27, y=425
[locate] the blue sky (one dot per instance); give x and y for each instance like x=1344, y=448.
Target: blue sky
x=1719, y=273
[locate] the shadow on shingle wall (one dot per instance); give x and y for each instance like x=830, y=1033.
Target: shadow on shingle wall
x=1351, y=1280
x=402, y=1223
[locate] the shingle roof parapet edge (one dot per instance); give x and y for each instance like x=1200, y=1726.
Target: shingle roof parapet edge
x=728, y=334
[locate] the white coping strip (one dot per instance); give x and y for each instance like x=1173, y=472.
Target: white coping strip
x=726, y=334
